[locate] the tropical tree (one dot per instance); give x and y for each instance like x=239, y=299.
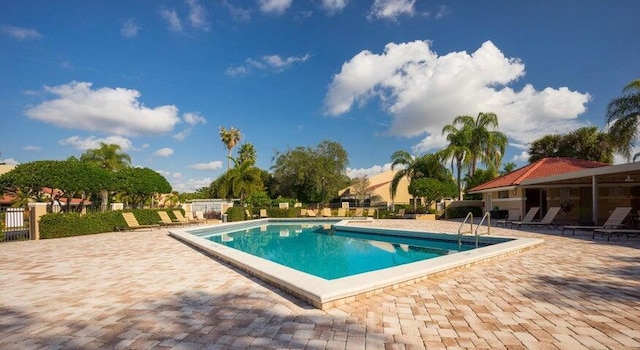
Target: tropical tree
x=409, y=169
x=457, y=151
x=432, y=190
x=508, y=167
x=140, y=184
x=312, y=175
x=247, y=154
x=108, y=157
x=230, y=138
x=588, y=143
x=623, y=114
x=239, y=182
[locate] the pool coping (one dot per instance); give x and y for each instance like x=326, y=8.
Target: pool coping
x=326, y=294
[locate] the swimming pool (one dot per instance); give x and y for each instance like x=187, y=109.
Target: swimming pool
x=323, y=251
x=332, y=286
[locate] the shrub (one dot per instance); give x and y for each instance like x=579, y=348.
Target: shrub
x=237, y=214
x=461, y=212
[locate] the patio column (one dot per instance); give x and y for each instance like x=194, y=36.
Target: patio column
x=594, y=200
x=36, y=210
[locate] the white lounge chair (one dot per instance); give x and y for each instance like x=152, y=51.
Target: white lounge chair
x=547, y=220
x=528, y=217
x=614, y=221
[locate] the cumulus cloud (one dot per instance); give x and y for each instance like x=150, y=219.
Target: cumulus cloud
x=21, y=33
x=423, y=91
x=374, y=170
x=93, y=142
x=213, y=165
x=172, y=18
x=163, y=152
x=274, y=7
x=272, y=63
x=333, y=6
x=110, y=110
x=190, y=185
x=193, y=118
x=391, y=9
x=129, y=28
x=9, y=161
x=522, y=157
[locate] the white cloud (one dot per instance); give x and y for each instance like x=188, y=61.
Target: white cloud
x=333, y=6
x=391, y=9
x=176, y=175
x=197, y=15
x=110, y=110
x=523, y=157
x=93, y=142
x=191, y=185
x=237, y=13
x=423, y=91
x=10, y=161
x=32, y=148
x=172, y=18
x=129, y=28
x=213, y=165
x=273, y=63
x=180, y=136
x=374, y=170
x=21, y=33
x=193, y=118
x=274, y=7
x=163, y=152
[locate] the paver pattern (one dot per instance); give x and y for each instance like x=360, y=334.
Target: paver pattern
x=142, y=290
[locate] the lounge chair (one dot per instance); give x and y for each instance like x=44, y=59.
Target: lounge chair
x=263, y=213
x=181, y=218
x=311, y=213
x=303, y=212
x=371, y=212
x=528, y=217
x=359, y=212
x=616, y=231
x=400, y=214
x=342, y=212
x=547, y=220
x=326, y=212
x=133, y=224
x=165, y=220
x=614, y=221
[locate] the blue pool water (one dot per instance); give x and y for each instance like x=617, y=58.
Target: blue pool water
x=317, y=249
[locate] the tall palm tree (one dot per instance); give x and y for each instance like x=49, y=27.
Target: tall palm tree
x=247, y=154
x=108, y=157
x=486, y=145
x=457, y=150
x=409, y=170
x=240, y=181
x=623, y=114
x=230, y=138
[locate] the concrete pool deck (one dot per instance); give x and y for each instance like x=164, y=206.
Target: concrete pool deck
x=140, y=290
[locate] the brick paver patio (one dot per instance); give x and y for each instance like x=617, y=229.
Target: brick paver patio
x=138, y=290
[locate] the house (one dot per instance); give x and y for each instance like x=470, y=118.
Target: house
x=380, y=186
x=586, y=191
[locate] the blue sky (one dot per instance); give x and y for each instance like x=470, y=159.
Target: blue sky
x=160, y=77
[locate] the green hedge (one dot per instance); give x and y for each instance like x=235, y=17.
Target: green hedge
x=58, y=225
x=461, y=212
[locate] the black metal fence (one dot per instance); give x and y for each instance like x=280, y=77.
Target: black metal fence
x=14, y=224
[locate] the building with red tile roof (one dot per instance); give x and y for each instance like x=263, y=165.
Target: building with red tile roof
x=586, y=191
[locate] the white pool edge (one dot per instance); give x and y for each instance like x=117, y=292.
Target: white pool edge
x=325, y=294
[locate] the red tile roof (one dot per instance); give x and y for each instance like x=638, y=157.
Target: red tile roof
x=542, y=168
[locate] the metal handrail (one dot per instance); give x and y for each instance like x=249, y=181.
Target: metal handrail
x=487, y=216
x=460, y=232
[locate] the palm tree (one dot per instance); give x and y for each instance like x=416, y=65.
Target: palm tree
x=458, y=151
x=240, y=181
x=623, y=114
x=409, y=170
x=486, y=146
x=508, y=167
x=247, y=154
x=108, y=157
x=230, y=138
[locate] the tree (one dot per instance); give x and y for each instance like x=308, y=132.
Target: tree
x=588, y=143
x=312, y=175
x=140, y=184
x=623, y=114
x=362, y=190
x=247, y=154
x=108, y=157
x=508, y=167
x=481, y=176
x=432, y=190
x=230, y=138
x=239, y=182
x=457, y=150
x=408, y=169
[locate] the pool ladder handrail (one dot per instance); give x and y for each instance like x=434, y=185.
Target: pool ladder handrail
x=487, y=216
x=460, y=232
